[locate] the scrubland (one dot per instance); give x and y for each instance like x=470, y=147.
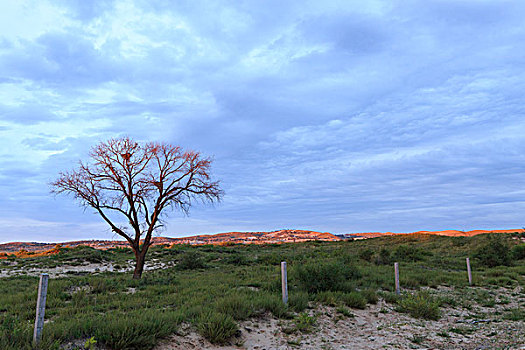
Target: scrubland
x=227, y=295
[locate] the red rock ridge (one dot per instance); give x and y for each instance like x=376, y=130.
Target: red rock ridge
x=280, y=236
x=274, y=237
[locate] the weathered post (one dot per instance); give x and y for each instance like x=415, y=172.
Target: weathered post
x=40, y=308
x=469, y=272
x=396, y=273
x=284, y=281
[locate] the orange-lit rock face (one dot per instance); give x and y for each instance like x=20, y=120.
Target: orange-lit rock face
x=24, y=250
x=451, y=233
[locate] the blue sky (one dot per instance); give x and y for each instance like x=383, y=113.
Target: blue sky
x=339, y=116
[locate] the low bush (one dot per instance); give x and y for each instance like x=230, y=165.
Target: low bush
x=370, y=295
x=518, y=251
x=217, y=327
x=305, y=323
x=190, y=261
x=119, y=330
x=238, y=260
x=419, y=305
x=384, y=257
x=326, y=276
x=273, y=304
x=270, y=259
x=493, y=253
x=390, y=297
x=354, y=300
x=329, y=298
x=273, y=285
x=101, y=286
x=366, y=254
x=409, y=253
x=515, y=315
x=298, y=301
x=13, y=332
x=237, y=306
x=167, y=276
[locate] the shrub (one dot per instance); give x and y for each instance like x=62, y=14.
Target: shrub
x=344, y=311
x=217, y=327
x=518, y=251
x=13, y=331
x=273, y=285
x=238, y=260
x=409, y=253
x=134, y=330
x=101, y=286
x=354, y=300
x=384, y=257
x=270, y=259
x=273, y=304
x=370, y=296
x=329, y=298
x=162, y=277
x=237, y=306
x=390, y=297
x=304, y=323
x=515, y=315
x=483, y=298
x=493, y=253
x=419, y=305
x=298, y=301
x=191, y=261
x=366, y=254
x=326, y=276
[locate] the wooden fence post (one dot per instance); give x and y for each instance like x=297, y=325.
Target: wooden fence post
x=469, y=272
x=396, y=273
x=284, y=281
x=40, y=308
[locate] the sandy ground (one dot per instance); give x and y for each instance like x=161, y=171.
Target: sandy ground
x=84, y=268
x=377, y=327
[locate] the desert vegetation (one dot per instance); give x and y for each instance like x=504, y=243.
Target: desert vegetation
x=213, y=289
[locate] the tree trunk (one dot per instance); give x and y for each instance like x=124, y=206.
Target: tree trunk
x=139, y=264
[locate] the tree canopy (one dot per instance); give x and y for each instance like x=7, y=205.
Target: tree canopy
x=139, y=183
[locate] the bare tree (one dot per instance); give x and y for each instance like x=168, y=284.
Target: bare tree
x=138, y=183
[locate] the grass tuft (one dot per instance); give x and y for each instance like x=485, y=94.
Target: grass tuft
x=217, y=327
x=419, y=305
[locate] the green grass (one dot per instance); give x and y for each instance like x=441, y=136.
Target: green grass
x=515, y=315
x=344, y=311
x=217, y=327
x=305, y=323
x=354, y=300
x=419, y=305
x=213, y=288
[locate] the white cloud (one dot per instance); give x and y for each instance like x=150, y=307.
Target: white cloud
x=27, y=20
x=320, y=115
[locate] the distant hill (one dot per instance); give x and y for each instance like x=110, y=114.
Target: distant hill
x=450, y=233
x=280, y=236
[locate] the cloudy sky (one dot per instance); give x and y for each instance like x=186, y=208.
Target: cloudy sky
x=340, y=116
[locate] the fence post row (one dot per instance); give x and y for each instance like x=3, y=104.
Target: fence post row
x=40, y=307
x=396, y=273
x=469, y=272
x=284, y=281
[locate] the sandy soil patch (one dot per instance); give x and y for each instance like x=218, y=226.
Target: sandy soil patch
x=84, y=268
x=377, y=327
